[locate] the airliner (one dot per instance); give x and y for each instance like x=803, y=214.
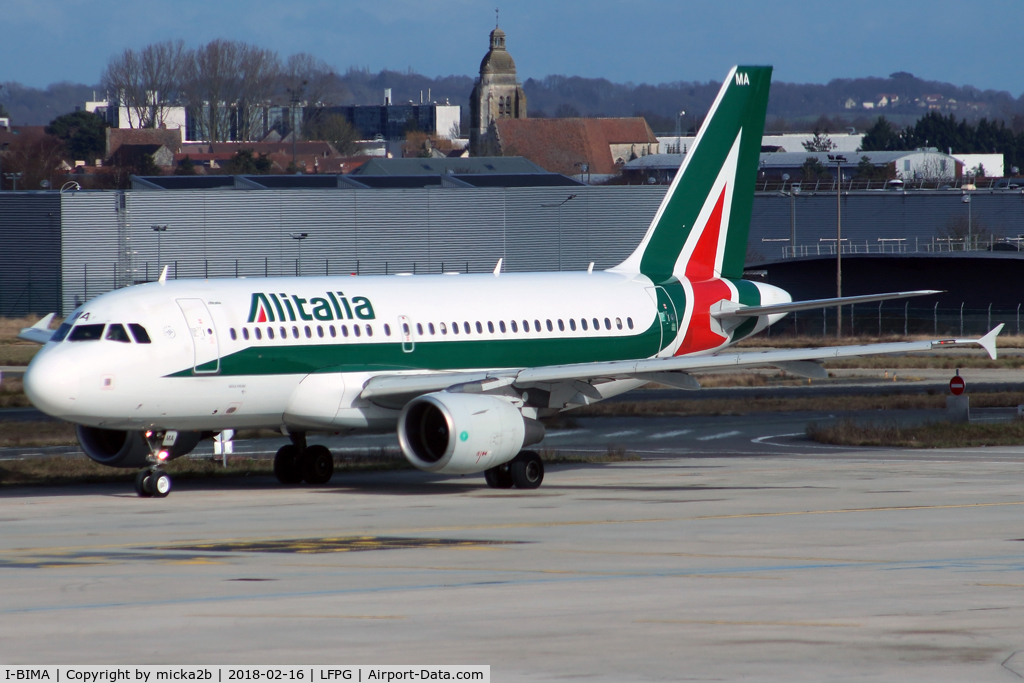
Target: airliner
x=465, y=367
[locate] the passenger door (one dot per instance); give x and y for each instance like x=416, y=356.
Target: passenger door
x=405, y=330
x=204, y=336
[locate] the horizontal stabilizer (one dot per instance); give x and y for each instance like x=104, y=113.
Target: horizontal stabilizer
x=39, y=333
x=726, y=309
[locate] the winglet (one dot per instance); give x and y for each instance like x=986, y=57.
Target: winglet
x=163, y=276
x=497, y=268
x=39, y=333
x=988, y=342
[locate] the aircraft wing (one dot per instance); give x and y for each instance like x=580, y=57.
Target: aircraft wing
x=394, y=389
x=39, y=333
x=728, y=309
x=796, y=358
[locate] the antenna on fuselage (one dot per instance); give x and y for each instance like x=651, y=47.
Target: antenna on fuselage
x=163, y=276
x=497, y=268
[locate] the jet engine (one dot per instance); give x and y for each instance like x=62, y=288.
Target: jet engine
x=453, y=433
x=116, y=448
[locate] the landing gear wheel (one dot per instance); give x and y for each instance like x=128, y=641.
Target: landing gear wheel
x=317, y=465
x=499, y=477
x=141, y=484
x=287, y=465
x=527, y=470
x=158, y=484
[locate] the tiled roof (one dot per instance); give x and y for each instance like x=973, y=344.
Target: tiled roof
x=559, y=144
x=168, y=137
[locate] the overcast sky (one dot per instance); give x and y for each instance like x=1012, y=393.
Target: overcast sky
x=643, y=41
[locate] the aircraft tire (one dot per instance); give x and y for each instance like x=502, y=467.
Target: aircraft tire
x=527, y=470
x=141, y=484
x=317, y=465
x=158, y=484
x=499, y=477
x=287, y=465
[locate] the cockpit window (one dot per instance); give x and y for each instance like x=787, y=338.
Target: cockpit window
x=61, y=332
x=116, y=333
x=86, y=333
x=139, y=332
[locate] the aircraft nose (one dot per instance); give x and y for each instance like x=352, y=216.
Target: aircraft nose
x=52, y=384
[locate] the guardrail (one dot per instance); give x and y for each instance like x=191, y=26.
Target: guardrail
x=900, y=245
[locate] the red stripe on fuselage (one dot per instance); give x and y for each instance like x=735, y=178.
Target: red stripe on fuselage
x=707, y=289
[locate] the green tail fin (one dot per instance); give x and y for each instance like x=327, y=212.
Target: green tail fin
x=700, y=230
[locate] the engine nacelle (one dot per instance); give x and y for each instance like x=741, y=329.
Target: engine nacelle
x=455, y=433
x=117, y=448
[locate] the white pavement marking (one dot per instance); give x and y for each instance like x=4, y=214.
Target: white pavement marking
x=762, y=439
x=717, y=436
x=669, y=435
x=563, y=432
x=628, y=432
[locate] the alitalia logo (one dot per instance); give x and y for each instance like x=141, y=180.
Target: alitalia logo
x=268, y=308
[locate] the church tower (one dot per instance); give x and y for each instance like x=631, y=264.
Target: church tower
x=496, y=95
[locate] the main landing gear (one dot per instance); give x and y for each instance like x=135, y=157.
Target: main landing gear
x=298, y=462
x=525, y=471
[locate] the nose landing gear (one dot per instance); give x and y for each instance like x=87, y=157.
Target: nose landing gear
x=296, y=462
x=153, y=482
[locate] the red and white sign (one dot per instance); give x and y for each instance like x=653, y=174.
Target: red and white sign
x=957, y=385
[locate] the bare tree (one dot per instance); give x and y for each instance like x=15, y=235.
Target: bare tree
x=212, y=88
x=144, y=82
x=258, y=76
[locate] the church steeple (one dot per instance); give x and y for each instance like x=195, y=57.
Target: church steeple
x=496, y=95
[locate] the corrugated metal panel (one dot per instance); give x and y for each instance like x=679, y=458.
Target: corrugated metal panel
x=88, y=245
x=30, y=277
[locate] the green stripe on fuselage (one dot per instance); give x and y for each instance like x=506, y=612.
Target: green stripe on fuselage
x=452, y=354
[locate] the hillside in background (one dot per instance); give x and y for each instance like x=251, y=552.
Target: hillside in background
x=902, y=98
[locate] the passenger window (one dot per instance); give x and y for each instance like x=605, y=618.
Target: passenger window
x=405, y=329
x=116, y=333
x=419, y=329
x=501, y=325
x=583, y=323
x=607, y=324
x=369, y=331
x=597, y=324
x=334, y=333
x=618, y=323
x=309, y=333
x=536, y=326
x=245, y=334
x=320, y=331
x=295, y=332
x=86, y=333
x=140, y=334
x=455, y=328
x=444, y=328
x=344, y=330
x=490, y=327
x=355, y=330
x=270, y=332
x=526, y=326
x=514, y=328
x=465, y=326
x=430, y=326
x=629, y=323
x=561, y=325
x=259, y=335
x=551, y=328
x=572, y=324
x=233, y=335
x=479, y=327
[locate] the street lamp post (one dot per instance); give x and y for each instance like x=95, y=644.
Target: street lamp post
x=298, y=237
x=559, y=207
x=159, y=230
x=14, y=178
x=839, y=160
x=679, y=131
x=296, y=94
x=792, y=213
x=967, y=200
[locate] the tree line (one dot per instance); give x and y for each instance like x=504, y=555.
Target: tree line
x=945, y=133
x=225, y=85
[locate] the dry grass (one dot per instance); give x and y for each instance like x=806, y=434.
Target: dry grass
x=930, y=435
x=36, y=434
x=12, y=394
x=13, y=351
x=1004, y=399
